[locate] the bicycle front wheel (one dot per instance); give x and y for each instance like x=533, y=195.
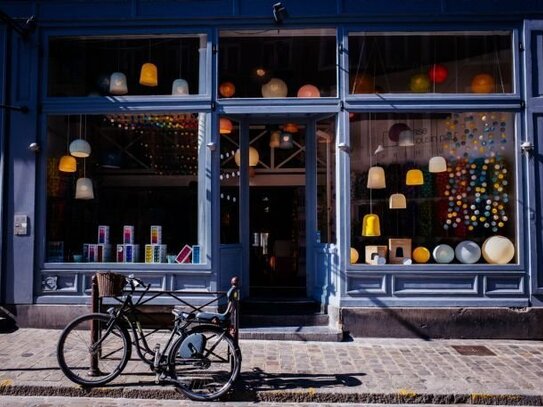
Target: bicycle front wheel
x=93, y=349
x=205, y=362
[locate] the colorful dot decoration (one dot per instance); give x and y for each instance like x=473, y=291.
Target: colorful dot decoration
x=477, y=197
x=166, y=144
x=475, y=134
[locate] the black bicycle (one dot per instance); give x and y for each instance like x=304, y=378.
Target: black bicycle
x=200, y=358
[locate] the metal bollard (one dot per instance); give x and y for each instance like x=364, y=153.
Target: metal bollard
x=94, y=331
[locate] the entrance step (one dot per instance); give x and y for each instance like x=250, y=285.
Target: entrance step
x=292, y=333
x=288, y=319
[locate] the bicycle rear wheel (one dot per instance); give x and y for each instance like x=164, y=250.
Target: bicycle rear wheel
x=93, y=360
x=205, y=362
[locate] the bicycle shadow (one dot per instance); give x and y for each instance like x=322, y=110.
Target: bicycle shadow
x=258, y=380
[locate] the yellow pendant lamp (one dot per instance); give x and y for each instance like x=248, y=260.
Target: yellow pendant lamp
x=275, y=139
x=149, y=74
x=371, y=226
x=414, y=177
x=67, y=163
x=354, y=255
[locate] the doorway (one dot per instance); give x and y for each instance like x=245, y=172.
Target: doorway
x=277, y=266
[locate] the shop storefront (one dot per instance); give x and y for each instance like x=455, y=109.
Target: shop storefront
x=370, y=158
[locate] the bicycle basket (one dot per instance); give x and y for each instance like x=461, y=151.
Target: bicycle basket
x=110, y=284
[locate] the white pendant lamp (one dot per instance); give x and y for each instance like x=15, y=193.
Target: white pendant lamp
x=405, y=139
x=118, y=84
x=275, y=88
x=83, y=189
x=376, y=178
x=180, y=87
x=80, y=148
x=437, y=164
x=397, y=201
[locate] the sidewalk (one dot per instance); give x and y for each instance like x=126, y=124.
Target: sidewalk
x=361, y=371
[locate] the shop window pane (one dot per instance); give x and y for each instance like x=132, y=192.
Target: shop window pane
x=277, y=63
x=135, y=198
x=436, y=188
x=229, y=179
x=475, y=63
x=125, y=66
x=326, y=164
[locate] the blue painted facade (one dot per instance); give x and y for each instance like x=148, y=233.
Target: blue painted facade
x=331, y=279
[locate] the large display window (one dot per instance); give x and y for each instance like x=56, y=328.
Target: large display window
x=277, y=63
x=438, y=62
x=123, y=188
x=125, y=66
x=433, y=188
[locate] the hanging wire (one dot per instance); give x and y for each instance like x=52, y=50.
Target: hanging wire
x=359, y=63
x=68, y=135
x=500, y=76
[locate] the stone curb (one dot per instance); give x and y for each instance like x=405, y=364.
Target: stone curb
x=305, y=396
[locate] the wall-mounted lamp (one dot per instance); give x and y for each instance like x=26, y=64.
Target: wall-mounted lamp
x=279, y=13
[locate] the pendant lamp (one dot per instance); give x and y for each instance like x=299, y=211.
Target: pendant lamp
x=397, y=201
x=180, y=87
x=117, y=84
x=254, y=157
x=275, y=139
x=405, y=138
x=80, y=148
x=437, y=164
x=83, y=189
x=371, y=225
x=376, y=178
x=225, y=126
x=414, y=177
x=275, y=88
x=67, y=162
x=286, y=141
x=149, y=74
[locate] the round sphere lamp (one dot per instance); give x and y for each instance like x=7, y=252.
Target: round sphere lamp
x=275, y=88
x=376, y=178
x=438, y=73
x=467, y=252
x=362, y=83
x=354, y=255
x=225, y=125
x=483, y=83
x=371, y=226
x=309, y=91
x=443, y=253
x=180, y=87
x=414, y=177
x=397, y=201
x=254, y=157
x=80, y=148
x=118, y=84
x=437, y=164
x=83, y=189
x=419, y=83
x=149, y=74
x=498, y=250
x=227, y=89
x=285, y=142
x=67, y=163
x=421, y=254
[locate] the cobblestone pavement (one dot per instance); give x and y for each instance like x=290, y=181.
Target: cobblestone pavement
x=364, y=370
x=18, y=401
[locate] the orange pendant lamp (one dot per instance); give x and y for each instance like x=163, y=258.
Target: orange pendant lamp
x=414, y=177
x=149, y=74
x=67, y=162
